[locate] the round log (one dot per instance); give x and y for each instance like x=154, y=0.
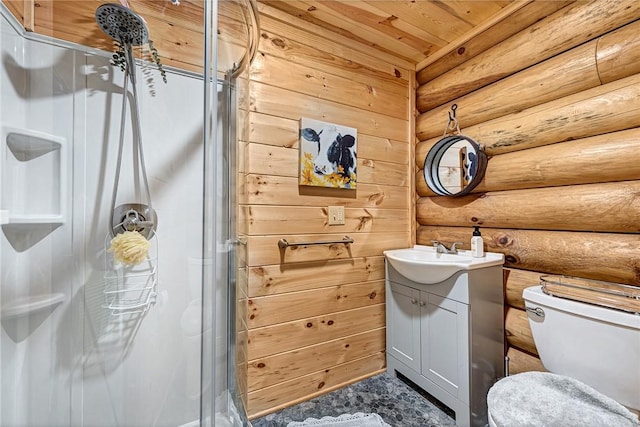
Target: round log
x=518, y=331
x=422, y=148
x=515, y=283
x=601, y=256
x=609, y=108
x=573, y=71
x=612, y=57
x=567, y=163
x=522, y=18
x=565, y=29
x=612, y=207
x=422, y=188
x=618, y=53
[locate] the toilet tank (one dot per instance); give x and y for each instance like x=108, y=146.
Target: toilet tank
x=596, y=345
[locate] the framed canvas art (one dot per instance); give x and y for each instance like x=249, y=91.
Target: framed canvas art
x=327, y=154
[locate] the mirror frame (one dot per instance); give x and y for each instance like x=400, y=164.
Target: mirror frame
x=432, y=162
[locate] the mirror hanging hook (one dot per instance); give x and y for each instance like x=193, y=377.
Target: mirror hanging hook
x=453, y=127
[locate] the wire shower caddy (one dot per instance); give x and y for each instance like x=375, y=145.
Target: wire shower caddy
x=131, y=289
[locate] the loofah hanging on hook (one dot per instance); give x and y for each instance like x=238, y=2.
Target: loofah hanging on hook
x=129, y=248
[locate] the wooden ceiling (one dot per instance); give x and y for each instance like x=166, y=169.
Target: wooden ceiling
x=413, y=30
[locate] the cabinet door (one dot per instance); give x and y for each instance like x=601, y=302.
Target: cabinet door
x=445, y=344
x=403, y=325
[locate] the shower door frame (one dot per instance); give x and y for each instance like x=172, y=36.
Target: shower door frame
x=220, y=238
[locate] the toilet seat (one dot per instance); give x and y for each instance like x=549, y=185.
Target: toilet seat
x=543, y=399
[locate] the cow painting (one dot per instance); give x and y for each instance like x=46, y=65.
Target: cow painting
x=327, y=154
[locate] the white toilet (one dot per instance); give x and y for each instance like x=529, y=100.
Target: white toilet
x=593, y=353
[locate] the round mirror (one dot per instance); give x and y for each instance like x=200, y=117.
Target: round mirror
x=454, y=166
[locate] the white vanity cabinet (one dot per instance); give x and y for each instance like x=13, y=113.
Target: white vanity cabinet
x=448, y=337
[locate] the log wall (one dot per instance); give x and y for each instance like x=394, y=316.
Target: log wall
x=556, y=108
x=316, y=314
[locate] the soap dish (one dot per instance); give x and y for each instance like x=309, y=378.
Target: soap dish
x=604, y=294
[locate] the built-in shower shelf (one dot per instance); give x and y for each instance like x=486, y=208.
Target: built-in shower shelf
x=30, y=305
x=28, y=145
x=35, y=219
x=23, y=236
x=33, y=177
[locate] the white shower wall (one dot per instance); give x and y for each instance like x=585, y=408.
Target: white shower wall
x=75, y=363
x=152, y=378
x=36, y=258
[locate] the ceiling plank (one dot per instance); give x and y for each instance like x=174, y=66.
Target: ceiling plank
x=504, y=13
x=361, y=24
x=428, y=16
x=388, y=15
x=472, y=12
x=387, y=25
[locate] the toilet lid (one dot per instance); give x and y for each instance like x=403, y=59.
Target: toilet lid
x=535, y=399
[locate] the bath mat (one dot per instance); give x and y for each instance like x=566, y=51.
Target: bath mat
x=358, y=419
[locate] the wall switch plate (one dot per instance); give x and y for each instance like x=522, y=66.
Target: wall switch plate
x=336, y=215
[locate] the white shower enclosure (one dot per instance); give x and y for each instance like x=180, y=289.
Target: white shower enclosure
x=67, y=357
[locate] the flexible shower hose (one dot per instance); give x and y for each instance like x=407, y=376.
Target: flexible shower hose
x=129, y=73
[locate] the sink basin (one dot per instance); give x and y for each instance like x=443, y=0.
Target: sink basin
x=422, y=264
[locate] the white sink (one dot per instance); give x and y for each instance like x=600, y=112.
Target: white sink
x=422, y=264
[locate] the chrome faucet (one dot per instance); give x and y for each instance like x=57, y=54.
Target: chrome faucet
x=441, y=248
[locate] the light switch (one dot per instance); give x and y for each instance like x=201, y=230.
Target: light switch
x=336, y=215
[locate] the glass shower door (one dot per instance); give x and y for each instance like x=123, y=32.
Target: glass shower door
x=227, y=101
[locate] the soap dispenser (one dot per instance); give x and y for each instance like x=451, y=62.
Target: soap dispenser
x=477, y=244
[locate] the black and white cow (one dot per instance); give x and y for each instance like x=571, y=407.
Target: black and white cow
x=336, y=152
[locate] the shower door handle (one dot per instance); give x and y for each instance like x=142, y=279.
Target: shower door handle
x=238, y=241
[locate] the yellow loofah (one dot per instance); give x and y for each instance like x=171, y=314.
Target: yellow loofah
x=129, y=248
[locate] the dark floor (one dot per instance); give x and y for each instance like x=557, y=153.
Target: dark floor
x=393, y=399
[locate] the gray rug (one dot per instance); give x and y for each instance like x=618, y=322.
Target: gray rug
x=358, y=419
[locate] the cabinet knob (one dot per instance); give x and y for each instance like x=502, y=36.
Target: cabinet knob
x=422, y=304
x=413, y=301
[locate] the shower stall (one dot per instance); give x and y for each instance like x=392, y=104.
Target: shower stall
x=88, y=339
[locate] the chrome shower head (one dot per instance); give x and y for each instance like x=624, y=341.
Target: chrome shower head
x=122, y=24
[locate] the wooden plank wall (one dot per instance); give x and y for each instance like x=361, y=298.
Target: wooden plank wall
x=316, y=314
x=557, y=107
